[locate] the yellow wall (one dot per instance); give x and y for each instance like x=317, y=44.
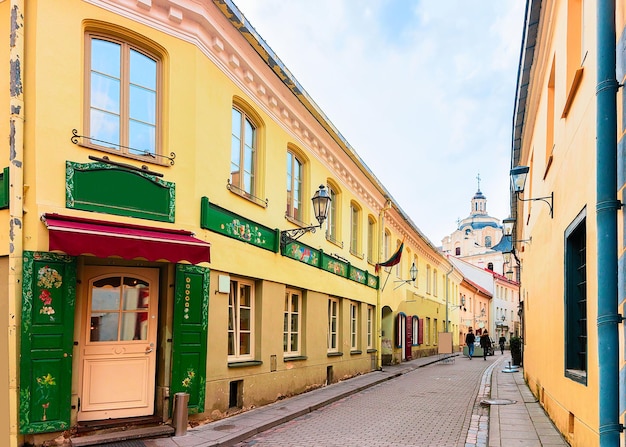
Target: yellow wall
x=571, y=176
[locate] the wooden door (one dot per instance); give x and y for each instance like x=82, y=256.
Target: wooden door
x=118, y=354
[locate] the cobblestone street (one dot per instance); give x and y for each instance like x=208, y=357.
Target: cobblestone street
x=430, y=406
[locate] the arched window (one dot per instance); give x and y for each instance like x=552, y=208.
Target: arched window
x=295, y=174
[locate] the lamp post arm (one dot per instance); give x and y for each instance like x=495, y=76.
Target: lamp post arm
x=545, y=199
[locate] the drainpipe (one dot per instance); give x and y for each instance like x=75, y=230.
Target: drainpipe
x=606, y=219
x=16, y=210
x=379, y=316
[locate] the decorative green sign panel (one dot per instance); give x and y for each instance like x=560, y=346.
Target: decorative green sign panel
x=48, y=297
x=4, y=188
x=317, y=258
x=229, y=224
x=358, y=275
x=190, y=331
x=372, y=281
x=334, y=265
x=115, y=190
x=302, y=253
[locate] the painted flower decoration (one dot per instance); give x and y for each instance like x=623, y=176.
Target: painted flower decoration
x=46, y=381
x=48, y=278
x=45, y=297
x=189, y=379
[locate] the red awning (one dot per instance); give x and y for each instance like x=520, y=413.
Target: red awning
x=79, y=236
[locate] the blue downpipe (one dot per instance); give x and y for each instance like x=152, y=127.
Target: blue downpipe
x=606, y=219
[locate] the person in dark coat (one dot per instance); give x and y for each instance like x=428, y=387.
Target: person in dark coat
x=485, y=343
x=470, y=338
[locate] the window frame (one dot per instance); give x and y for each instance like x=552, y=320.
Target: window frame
x=128, y=42
x=288, y=330
x=354, y=326
x=235, y=318
x=333, y=220
x=415, y=330
x=294, y=160
x=575, y=242
x=239, y=186
x=355, y=230
x=371, y=239
x=370, y=326
x=332, y=345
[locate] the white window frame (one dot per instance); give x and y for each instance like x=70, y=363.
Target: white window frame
x=289, y=314
x=240, y=185
x=333, y=325
x=234, y=315
x=295, y=177
x=354, y=326
x=122, y=146
x=370, y=327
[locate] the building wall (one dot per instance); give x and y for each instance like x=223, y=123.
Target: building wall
x=559, y=148
x=208, y=64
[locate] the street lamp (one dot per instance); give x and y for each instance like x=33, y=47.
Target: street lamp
x=518, y=181
x=321, y=203
x=507, y=227
x=412, y=272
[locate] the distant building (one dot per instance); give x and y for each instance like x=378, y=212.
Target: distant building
x=477, y=239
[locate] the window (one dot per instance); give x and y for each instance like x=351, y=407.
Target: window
x=370, y=327
x=294, y=187
x=457, y=251
x=386, y=242
x=428, y=279
x=415, y=331
x=435, y=282
x=576, y=300
x=119, y=309
x=427, y=330
x=355, y=228
x=487, y=241
x=333, y=321
x=332, y=220
x=240, y=320
x=490, y=266
x=123, y=97
x=371, y=239
x=292, y=319
x=354, y=326
x=243, y=149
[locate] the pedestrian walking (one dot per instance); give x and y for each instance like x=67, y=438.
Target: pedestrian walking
x=485, y=343
x=502, y=340
x=470, y=338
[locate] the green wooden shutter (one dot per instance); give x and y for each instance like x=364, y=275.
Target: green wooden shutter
x=189, y=339
x=48, y=299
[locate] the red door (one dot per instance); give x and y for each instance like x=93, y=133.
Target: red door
x=408, y=342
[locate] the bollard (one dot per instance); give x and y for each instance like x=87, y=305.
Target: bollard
x=181, y=415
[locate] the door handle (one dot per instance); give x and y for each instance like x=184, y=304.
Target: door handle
x=149, y=350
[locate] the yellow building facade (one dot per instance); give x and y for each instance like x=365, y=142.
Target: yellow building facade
x=567, y=243
x=156, y=155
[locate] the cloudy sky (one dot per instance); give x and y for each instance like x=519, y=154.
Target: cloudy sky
x=423, y=90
